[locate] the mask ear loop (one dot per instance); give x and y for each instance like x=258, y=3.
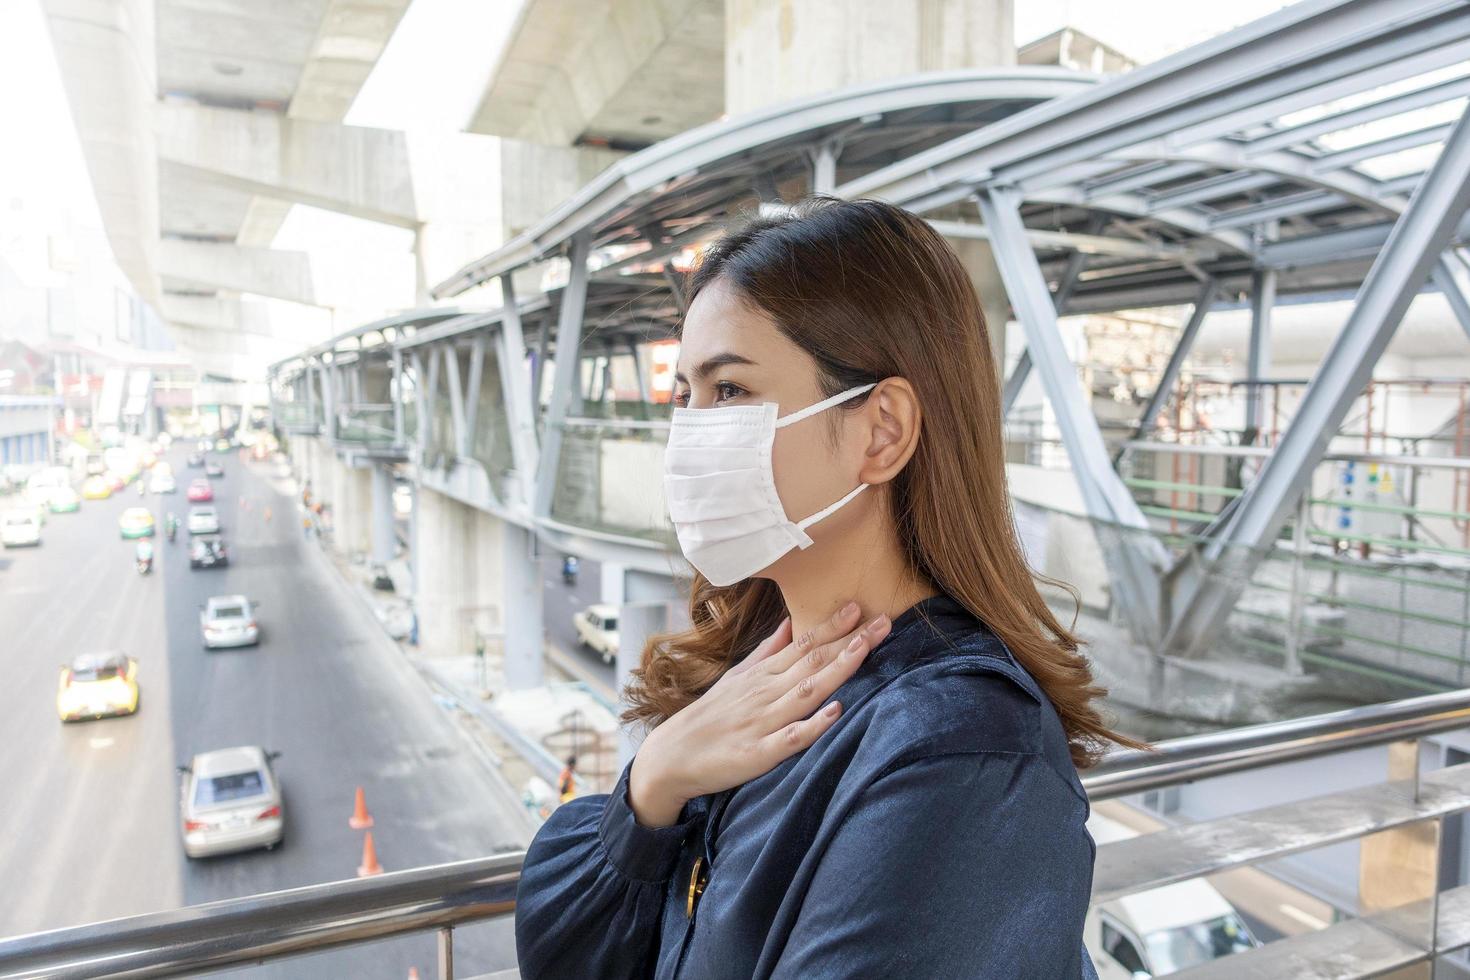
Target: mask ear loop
x=824, y=404
x=829, y=510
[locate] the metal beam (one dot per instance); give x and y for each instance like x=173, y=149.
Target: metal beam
x=1205, y=591
x=1076, y=263
x=456, y=397
x=472, y=392
x=1176, y=361
x=1453, y=279
x=1318, y=49
x=1258, y=354
x=1135, y=559
x=1382, y=109
x=399, y=437
x=520, y=403
x=565, y=387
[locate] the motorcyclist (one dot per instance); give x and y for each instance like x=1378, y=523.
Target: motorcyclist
x=569, y=569
x=143, y=557
x=171, y=525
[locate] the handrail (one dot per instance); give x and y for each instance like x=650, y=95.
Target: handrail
x=1182, y=760
x=247, y=930
x=318, y=917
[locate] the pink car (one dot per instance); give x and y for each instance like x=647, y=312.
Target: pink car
x=200, y=490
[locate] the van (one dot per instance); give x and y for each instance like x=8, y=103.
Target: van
x=1162, y=930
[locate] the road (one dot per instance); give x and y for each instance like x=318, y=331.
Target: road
x=89, y=812
x=559, y=601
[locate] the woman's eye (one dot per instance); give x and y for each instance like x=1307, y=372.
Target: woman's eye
x=681, y=398
x=726, y=391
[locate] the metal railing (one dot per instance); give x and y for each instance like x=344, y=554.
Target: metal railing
x=315, y=918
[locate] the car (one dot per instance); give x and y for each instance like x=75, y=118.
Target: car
x=200, y=490
x=230, y=800
x=228, y=621
x=208, y=553
x=597, y=627
x=203, y=520
x=162, y=483
x=149, y=458
x=195, y=460
x=97, y=487
x=115, y=481
x=96, y=685
x=222, y=445
x=136, y=522
x=20, y=529
x=1160, y=930
x=64, y=500
x=212, y=468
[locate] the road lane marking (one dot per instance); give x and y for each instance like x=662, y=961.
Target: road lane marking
x=100, y=742
x=1305, y=918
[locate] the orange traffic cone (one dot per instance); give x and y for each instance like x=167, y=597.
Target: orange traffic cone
x=369, y=865
x=360, y=819
x=413, y=973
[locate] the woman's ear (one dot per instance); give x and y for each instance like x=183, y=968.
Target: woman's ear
x=891, y=419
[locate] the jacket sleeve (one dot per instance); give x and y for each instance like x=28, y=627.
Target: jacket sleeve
x=975, y=864
x=592, y=889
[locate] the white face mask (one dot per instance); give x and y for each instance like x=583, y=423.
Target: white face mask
x=721, y=489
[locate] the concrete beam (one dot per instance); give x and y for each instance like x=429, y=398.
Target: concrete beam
x=217, y=313
x=263, y=271
x=631, y=71
x=348, y=169
x=106, y=55
x=351, y=38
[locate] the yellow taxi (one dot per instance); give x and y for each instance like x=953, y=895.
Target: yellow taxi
x=97, y=488
x=136, y=522
x=94, y=685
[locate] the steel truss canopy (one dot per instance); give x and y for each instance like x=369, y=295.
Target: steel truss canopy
x=1290, y=151
x=682, y=191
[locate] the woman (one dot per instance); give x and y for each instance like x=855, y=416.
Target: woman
x=862, y=756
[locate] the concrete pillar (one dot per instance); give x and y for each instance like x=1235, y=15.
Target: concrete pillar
x=384, y=539
x=637, y=621
x=442, y=574
x=351, y=499
x=612, y=590
x=525, y=627
x=785, y=49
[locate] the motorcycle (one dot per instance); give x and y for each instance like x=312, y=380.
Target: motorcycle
x=171, y=527
x=569, y=570
x=143, y=559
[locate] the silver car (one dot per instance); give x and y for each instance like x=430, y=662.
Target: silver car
x=229, y=621
x=230, y=801
x=203, y=520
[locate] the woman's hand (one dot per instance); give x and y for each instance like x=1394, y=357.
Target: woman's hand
x=757, y=714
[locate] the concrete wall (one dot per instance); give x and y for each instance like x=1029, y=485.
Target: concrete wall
x=776, y=50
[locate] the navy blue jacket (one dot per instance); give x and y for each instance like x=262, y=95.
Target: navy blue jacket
x=935, y=830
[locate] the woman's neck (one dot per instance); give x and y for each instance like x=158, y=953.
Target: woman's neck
x=866, y=566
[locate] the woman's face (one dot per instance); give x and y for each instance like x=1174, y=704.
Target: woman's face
x=733, y=354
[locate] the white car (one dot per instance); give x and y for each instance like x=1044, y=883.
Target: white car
x=597, y=627
x=231, y=801
x=1161, y=930
x=203, y=520
x=20, y=528
x=229, y=621
x=163, y=483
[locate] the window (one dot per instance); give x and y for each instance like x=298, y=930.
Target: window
x=223, y=789
x=1121, y=948
x=229, y=612
x=1185, y=946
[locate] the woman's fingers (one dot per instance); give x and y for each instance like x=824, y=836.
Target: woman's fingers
x=831, y=628
x=776, y=641
x=814, y=677
x=798, y=736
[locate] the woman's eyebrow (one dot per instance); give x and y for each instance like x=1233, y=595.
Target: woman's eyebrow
x=704, y=370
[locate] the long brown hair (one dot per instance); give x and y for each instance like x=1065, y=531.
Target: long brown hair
x=870, y=291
